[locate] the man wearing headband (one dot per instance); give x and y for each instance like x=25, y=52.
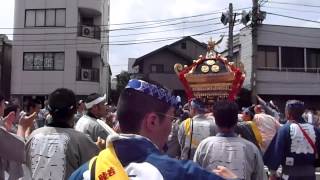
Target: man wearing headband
x=89, y=123
x=145, y=112
x=56, y=150
x=193, y=130
x=295, y=146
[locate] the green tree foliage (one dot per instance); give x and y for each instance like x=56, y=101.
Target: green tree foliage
x=122, y=81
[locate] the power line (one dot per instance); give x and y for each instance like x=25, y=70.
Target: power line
x=172, y=19
x=294, y=4
x=159, y=21
x=291, y=17
x=211, y=24
x=113, y=30
x=205, y=14
x=291, y=9
x=147, y=27
x=138, y=22
x=119, y=29
x=125, y=42
x=123, y=35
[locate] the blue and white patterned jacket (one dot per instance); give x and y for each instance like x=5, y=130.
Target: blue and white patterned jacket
x=142, y=160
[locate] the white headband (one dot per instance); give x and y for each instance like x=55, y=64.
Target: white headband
x=96, y=101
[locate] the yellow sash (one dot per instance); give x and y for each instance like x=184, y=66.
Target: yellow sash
x=187, y=127
x=256, y=132
x=108, y=166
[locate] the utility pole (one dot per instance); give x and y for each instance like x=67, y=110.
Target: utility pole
x=255, y=15
x=230, y=38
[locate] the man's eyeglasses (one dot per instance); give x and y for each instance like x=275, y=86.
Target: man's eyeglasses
x=173, y=118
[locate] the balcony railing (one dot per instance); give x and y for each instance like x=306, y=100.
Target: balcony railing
x=89, y=31
x=284, y=69
x=84, y=74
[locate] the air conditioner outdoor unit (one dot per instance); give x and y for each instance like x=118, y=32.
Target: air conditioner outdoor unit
x=86, y=74
x=87, y=31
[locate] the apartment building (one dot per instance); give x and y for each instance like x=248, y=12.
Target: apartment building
x=286, y=64
x=5, y=65
x=60, y=43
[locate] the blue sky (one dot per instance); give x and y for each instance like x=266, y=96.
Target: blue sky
x=123, y=11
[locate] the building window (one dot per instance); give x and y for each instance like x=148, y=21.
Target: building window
x=267, y=57
x=60, y=17
x=157, y=68
x=292, y=57
x=313, y=59
x=30, y=18
x=86, y=71
x=48, y=63
x=50, y=17
x=40, y=18
x=45, y=17
x=43, y=61
x=184, y=45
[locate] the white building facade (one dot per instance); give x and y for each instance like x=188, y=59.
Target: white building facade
x=287, y=63
x=60, y=43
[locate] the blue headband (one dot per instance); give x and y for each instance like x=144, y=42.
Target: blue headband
x=295, y=104
x=152, y=90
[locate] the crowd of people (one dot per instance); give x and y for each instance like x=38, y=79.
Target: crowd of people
x=150, y=135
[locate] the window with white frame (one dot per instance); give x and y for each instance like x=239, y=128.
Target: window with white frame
x=43, y=61
x=45, y=17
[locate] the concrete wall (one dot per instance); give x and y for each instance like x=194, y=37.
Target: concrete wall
x=168, y=78
x=192, y=50
x=167, y=58
x=246, y=55
x=280, y=82
x=170, y=81
x=287, y=36
x=288, y=83
x=56, y=39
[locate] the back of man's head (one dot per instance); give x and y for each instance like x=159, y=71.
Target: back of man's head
x=138, y=99
x=295, y=109
x=62, y=105
x=225, y=113
x=198, y=106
